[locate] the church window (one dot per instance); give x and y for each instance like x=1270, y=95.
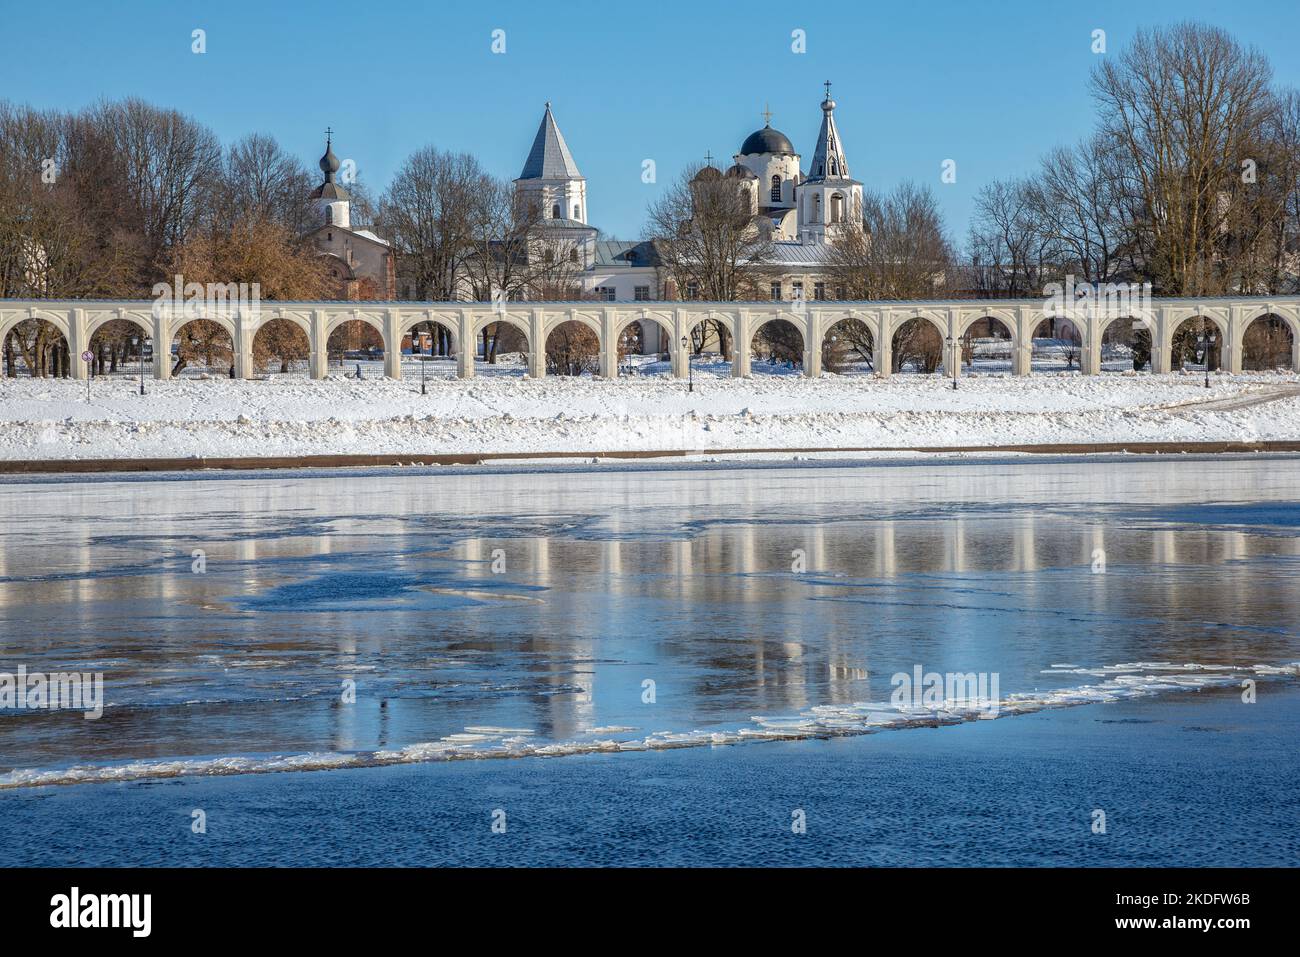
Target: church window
x=692, y=290
x=819, y=290
x=797, y=290
x=776, y=290
x=641, y=293
x=837, y=208
x=840, y=292
x=555, y=211
x=604, y=293
x=776, y=189
x=576, y=207
x=835, y=171
x=817, y=209
x=573, y=255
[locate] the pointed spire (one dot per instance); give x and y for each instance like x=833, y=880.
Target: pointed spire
x=828, y=160
x=550, y=157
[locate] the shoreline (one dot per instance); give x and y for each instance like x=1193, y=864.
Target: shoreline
x=737, y=457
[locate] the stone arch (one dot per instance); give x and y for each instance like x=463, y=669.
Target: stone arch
x=1127, y=340
x=140, y=320
x=298, y=319
x=1268, y=342
x=517, y=330
x=704, y=321
x=587, y=319
x=1189, y=337
x=918, y=339
x=58, y=321
x=847, y=342
x=656, y=332
x=41, y=345
x=281, y=341
x=1289, y=317
x=988, y=349
x=412, y=323
x=338, y=320
x=1071, y=334
x=210, y=340
x=783, y=341
x=109, y=337
x=571, y=348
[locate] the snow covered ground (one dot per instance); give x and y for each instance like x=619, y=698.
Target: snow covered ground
x=501, y=411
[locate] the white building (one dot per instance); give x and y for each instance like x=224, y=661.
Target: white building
x=360, y=264
x=804, y=211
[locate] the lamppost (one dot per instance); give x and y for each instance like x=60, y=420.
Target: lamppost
x=952, y=346
x=690, y=369
x=424, y=364
x=1205, y=352
x=137, y=342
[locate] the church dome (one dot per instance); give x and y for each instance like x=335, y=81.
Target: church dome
x=740, y=172
x=766, y=140
x=707, y=174
x=329, y=163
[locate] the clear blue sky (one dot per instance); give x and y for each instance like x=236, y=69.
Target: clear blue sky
x=990, y=85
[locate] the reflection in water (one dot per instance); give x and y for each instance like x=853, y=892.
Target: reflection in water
x=543, y=601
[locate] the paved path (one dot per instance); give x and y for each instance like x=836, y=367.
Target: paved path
x=1232, y=403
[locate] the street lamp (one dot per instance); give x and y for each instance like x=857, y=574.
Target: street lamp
x=690, y=369
x=138, y=343
x=1205, y=353
x=952, y=346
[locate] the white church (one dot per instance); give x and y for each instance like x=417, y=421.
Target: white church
x=803, y=211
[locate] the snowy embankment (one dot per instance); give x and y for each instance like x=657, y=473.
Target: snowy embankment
x=504, y=413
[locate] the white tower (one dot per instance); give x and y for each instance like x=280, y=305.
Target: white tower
x=550, y=176
x=829, y=199
x=332, y=200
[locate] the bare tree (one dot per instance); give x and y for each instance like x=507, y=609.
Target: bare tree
x=429, y=213
x=902, y=252
x=1188, y=105
x=263, y=182
x=710, y=240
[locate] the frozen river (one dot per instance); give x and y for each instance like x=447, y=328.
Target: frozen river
x=369, y=627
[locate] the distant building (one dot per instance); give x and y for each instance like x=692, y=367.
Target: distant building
x=360, y=264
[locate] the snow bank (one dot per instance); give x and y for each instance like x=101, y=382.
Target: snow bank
x=290, y=415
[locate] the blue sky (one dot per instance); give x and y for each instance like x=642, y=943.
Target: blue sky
x=990, y=85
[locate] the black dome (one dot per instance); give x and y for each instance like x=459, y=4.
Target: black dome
x=766, y=140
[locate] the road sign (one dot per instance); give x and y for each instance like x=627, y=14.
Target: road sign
x=87, y=356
